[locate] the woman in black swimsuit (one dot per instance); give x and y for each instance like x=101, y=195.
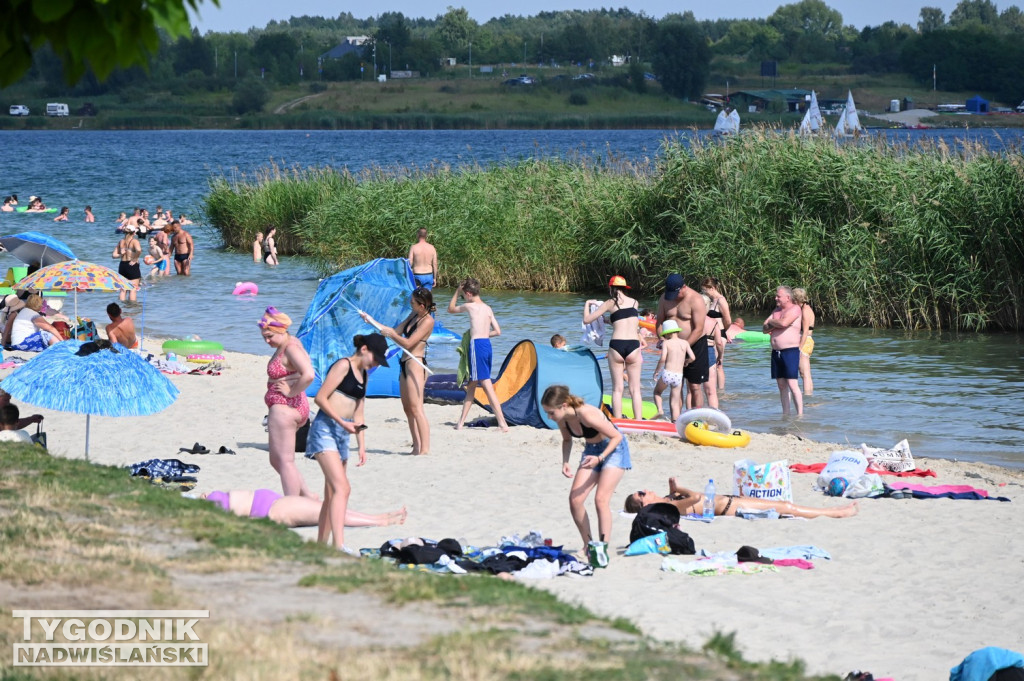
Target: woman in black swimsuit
x=412, y=334
x=624, y=347
x=341, y=398
x=604, y=461
x=718, y=309
x=689, y=502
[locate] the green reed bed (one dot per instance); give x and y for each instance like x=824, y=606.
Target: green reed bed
x=883, y=235
x=880, y=234
x=522, y=226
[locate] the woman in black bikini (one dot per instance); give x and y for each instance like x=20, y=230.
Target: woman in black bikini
x=624, y=347
x=604, y=461
x=341, y=398
x=718, y=309
x=689, y=502
x=412, y=334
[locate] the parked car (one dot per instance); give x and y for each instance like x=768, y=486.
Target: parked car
x=19, y=110
x=583, y=76
x=1020, y=107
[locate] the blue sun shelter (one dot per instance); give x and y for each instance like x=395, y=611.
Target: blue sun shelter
x=527, y=372
x=381, y=287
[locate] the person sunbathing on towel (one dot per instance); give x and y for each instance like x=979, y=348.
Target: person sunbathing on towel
x=294, y=511
x=689, y=501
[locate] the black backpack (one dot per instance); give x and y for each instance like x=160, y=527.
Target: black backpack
x=662, y=517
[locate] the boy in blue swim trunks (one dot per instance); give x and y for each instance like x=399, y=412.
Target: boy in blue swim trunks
x=482, y=326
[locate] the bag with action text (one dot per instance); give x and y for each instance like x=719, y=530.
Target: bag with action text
x=762, y=480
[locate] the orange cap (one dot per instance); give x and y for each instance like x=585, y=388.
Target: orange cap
x=618, y=281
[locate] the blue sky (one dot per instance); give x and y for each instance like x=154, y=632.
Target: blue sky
x=240, y=15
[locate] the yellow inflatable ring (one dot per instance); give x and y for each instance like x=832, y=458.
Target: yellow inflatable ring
x=697, y=432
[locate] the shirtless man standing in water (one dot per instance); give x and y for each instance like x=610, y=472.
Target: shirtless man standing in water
x=687, y=308
x=184, y=249
x=423, y=261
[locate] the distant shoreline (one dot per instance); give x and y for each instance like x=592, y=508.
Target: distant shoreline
x=433, y=121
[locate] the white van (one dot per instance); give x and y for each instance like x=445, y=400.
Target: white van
x=56, y=109
x=19, y=110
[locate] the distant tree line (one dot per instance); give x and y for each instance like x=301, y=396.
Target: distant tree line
x=977, y=47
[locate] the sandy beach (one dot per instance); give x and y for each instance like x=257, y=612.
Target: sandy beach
x=912, y=587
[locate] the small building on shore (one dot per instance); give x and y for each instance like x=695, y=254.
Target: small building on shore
x=776, y=101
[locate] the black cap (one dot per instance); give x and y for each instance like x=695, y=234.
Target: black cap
x=673, y=283
x=379, y=347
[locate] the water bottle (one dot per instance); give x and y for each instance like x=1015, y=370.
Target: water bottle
x=709, y=501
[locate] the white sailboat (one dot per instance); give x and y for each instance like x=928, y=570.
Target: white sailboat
x=812, y=123
x=727, y=123
x=849, y=122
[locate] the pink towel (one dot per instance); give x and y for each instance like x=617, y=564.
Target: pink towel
x=939, y=489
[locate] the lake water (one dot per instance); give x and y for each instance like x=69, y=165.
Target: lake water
x=952, y=395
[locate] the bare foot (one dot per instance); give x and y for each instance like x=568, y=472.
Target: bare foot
x=420, y=453
x=398, y=517
x=458, y=426
x=504, y=428
x=847, y=511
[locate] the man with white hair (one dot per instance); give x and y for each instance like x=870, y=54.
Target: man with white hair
x=784, y=327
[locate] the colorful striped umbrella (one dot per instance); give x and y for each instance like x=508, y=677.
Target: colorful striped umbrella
x=75, y=275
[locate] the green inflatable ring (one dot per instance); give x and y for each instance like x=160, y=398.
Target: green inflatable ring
x=648, y=409
x=24, y=209
x=187, y=347
x=753, y=337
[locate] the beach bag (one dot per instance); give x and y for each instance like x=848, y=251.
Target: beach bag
x=63, y=328
x=762, y=480
x=40, y=437
x=656, y=518
x=898, y=459
x=301, y=435
x=849, y=464
x=85, y=330
x=655, y=543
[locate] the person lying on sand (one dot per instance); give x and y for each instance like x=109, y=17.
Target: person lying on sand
x=689, y=501
x=294, y=511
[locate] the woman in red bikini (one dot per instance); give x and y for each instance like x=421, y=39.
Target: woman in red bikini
x=289, y=373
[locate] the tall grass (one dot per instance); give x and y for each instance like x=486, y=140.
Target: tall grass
x=880, y=234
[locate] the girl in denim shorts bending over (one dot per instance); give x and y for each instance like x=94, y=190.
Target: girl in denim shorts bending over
x=605, y=457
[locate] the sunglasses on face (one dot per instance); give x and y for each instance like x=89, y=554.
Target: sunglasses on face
x=641, y=494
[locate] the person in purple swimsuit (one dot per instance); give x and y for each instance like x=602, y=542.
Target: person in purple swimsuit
x=294, y=511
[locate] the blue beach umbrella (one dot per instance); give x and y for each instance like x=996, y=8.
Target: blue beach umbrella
x=381, y=287
x=36, y=248
x=110, y=382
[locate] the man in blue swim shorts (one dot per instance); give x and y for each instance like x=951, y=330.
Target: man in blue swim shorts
x=482, y=326
x=423, y=261
x=784, y=326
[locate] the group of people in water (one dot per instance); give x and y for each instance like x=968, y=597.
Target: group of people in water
x=687, y=340
x=692, y=329
x=168, y=242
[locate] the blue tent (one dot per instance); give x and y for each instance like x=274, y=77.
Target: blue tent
x=977, y=105
x=527, y=372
